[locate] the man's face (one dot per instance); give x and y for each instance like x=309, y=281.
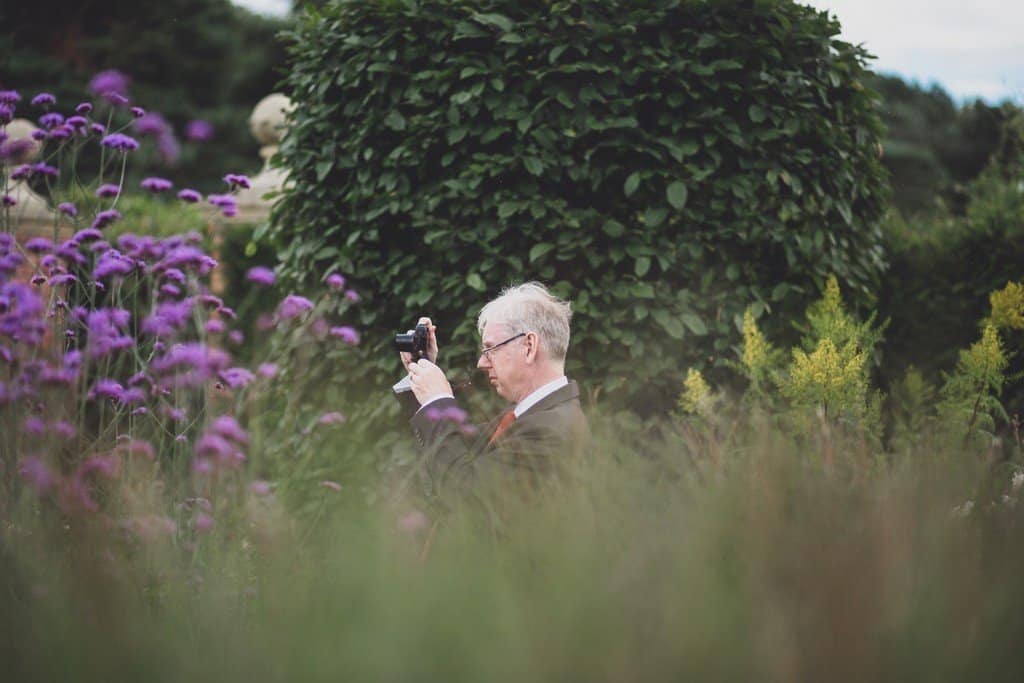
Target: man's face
x=503, y=365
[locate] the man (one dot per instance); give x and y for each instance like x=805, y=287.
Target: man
x=525, y=335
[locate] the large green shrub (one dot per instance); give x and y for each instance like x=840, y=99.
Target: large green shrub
x=663, y=164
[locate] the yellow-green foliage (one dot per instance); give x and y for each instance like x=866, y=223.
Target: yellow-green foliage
x=757, y=352
x=696, y=398
x=830, y=374
x=970, y=395
x=1008, y=307
x=830, y=378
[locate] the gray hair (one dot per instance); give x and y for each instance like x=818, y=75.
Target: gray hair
x=530, y=307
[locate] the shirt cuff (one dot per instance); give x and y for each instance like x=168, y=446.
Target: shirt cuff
x=433, y=399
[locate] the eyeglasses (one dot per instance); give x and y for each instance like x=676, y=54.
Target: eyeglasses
x=486, y=353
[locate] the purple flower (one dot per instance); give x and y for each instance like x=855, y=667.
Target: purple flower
x=68, y=209
x=221, y=200
x=84, y=108
x=168, y=147
x=204, y=523
x=108, y=332
x=168, y=319
x=336, y=281
x=6, y=113
x=332, y=485
x=64, y=430
x=121, y=142
x=345, y=333
x=199, y=131
x=8, y=200
x=293, y=306
x=51, y=120
x=23, y=171
x=260, y=487
x=117, y=99
x=112, y=262
x=155, y=185
x=236, y=377
x=105, y=218
x=109, y=83
x=175, y=275
x=69, y=252
x=186, y=257
x=9, y=97
x=61, y=133
x=236, y=337
x=34, y=426
x=190, y=365
x=43, y=99
x=352, y=295
x=44, y=169
x=189, y=195
x=267, y=370
x=97, y=128
x=39, y=245
x=106, y=388
x=334, y=418
x=215, y=326
x=138, y=112
x=36, y=474
x=261, y=276
x=78, y=122
x=108, y=191
x=13, y=149
x=237, y=180
x=84, y=236
x=228, y=427
x=62, y=279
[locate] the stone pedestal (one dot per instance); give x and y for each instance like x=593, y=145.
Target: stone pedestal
x=267, y=123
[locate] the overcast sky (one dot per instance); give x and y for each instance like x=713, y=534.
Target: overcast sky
x=972, y=49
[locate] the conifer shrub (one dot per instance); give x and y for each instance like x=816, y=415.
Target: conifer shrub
x=661, y=164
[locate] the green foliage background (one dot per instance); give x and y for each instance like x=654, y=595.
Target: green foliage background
x=662, y=164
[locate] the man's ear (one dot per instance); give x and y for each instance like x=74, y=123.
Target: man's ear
x=532, y=346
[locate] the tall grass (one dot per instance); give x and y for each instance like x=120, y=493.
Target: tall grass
x=682, y=554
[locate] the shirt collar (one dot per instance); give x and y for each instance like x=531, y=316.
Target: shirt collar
x=536, y=395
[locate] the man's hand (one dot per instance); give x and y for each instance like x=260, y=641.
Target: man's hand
x=428, y=381
x=431, y=344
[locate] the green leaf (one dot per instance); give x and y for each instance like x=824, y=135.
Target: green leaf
x=642, y=290
x=641, y=266
x=533, y=165
x=669, y=323
x=655, y=216
x=756, y=114
x=677, y=195
x=394, y=120
x=539, y=250
x=499, y=21
x=695, y=324
x=323, y=168
x=613, y=228
x=506, y=209
x=632, y=183
x=476, y=282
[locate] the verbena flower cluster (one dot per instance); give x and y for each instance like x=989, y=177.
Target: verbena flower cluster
x=115, y=350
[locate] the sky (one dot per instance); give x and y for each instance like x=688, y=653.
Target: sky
x=971, y=49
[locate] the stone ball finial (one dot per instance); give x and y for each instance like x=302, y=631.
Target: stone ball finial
x=267, y=121
x=22, y=147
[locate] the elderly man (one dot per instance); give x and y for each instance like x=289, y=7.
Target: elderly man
x=525, y=335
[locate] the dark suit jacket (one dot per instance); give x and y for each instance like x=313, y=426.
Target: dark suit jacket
x=536, y=449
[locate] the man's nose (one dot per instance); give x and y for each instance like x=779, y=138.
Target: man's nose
x=482, y=361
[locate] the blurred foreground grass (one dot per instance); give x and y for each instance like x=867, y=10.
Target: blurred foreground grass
x=685, y=549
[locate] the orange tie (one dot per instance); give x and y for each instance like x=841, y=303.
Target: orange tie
x=508, y=419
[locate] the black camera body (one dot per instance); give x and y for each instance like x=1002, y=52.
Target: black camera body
x=414, y=343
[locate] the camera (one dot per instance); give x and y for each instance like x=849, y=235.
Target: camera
x=414, y=342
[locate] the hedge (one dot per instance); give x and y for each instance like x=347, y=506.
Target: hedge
x=663, y=164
